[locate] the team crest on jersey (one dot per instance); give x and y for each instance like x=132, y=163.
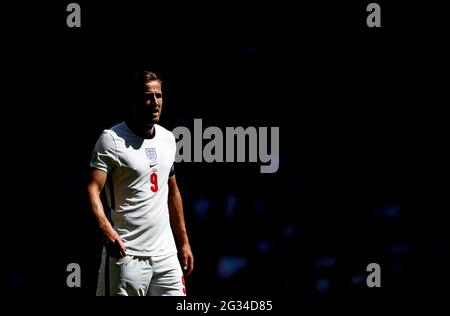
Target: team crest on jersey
x=151, y=153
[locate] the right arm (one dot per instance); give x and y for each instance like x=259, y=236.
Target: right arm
x=113, y=242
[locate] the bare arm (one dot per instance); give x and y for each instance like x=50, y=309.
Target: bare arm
x=178, y=225
x=95, y=186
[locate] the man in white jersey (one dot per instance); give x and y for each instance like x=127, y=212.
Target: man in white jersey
x=134, y=161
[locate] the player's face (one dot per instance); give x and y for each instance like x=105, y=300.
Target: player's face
x=148, y=109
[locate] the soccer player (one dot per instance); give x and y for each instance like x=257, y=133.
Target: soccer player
x=134, y=161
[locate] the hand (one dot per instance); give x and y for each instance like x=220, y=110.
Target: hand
x=114, y=244
x=187, y=259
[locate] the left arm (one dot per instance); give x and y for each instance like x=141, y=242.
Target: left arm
x=178, y=225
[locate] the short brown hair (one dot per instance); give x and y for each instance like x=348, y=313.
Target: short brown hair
x=137, y=83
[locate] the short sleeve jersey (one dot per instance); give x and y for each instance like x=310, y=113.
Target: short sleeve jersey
x=138, y=170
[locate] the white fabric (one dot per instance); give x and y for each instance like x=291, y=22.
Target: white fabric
x=142, y=276
x=139, y=215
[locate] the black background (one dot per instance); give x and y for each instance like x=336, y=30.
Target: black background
x=362, y=176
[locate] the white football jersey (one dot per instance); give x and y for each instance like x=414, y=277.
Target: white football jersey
x=137, y=190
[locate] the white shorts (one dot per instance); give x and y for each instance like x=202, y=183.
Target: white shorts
x=141, y=276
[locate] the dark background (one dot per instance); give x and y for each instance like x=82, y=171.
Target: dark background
x=363, y=175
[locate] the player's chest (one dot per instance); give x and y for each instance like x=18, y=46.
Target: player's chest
x=150, y=157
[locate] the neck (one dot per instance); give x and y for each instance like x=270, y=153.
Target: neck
x=143, y=130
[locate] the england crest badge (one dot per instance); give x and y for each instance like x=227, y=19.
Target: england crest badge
x=151, y=153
